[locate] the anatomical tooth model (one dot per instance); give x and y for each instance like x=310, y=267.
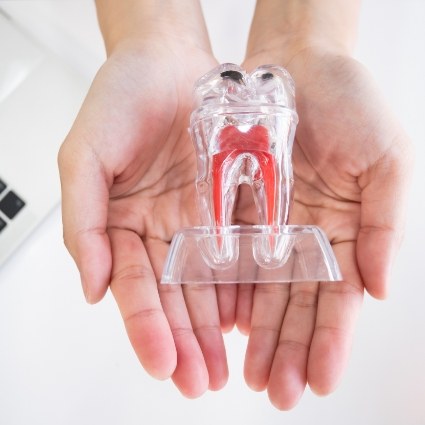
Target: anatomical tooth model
x=243, y=130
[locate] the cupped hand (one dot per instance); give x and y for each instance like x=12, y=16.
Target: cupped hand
x=127, y=172
x=351, y=166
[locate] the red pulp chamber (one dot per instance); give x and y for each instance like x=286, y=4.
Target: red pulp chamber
x=232, y=144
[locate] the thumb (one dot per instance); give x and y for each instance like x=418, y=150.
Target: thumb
x=383, y=206
x=85, y=197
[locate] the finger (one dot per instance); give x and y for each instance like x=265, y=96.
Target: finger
x=191, y=373
x=85, y=197
x=202, y=306
x=383, y=207
x=288, y=375
x=134, y=287
x=247, y=272
x=269, y=307
x=226, y=299
x=338, y=307
x=201, y=302
x=244, y=305
x=228, y=294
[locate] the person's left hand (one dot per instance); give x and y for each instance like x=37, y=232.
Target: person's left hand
x=351, y=164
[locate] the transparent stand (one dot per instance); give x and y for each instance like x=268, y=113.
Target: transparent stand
x=250, y=254
x=243, y=131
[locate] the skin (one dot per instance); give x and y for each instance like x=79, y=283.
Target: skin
x=128, y=169
x=138, y=192
x=306, y=336
x=352, y=163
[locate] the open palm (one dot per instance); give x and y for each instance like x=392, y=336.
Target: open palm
x=350, y=163
x=130, y=159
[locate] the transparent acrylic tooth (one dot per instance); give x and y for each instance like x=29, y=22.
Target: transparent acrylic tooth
x=225, y=84
x=243, y=128
x=272, y=249
x=221, y=249
x=244, y=136
x=274, y=85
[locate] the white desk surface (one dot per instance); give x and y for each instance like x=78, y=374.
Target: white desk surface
x=64, y=362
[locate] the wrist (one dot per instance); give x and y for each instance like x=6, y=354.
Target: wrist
x=294, y=25
x=139, y=21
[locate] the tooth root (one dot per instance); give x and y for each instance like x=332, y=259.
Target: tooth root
x=224, y=186
x=244, y=156
x=264, y=187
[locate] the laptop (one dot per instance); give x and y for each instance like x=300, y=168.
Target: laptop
x=40, y=96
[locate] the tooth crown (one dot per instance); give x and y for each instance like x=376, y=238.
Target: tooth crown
x=243, y=130
x=228, y=84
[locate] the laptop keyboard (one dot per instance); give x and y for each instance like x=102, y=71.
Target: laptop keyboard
x=10, y=204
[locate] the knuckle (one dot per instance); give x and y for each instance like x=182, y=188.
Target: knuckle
x=170, y=289
x=334, y=332
x=245, y=288
x=344, y=288
x=214, y=328
x=272, y=288
x=133, y=273
x=264, y=329
x=288, y=344
x=304, y=299
x=184, y=331
x=199, y=288
x=370, y=228
x=142, y=315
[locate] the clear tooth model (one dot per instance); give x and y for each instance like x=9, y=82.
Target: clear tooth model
x=243, y=130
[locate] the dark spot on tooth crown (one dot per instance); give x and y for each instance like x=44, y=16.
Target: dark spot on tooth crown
x=233, y=75
x=267, y=76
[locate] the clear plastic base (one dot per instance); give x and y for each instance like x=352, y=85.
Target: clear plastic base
x=250, y=254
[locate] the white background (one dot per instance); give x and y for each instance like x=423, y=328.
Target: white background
x=64, y=362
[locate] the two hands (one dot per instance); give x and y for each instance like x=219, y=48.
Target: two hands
x=128, y=170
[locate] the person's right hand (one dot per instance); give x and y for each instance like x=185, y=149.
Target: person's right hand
x=127, y=171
